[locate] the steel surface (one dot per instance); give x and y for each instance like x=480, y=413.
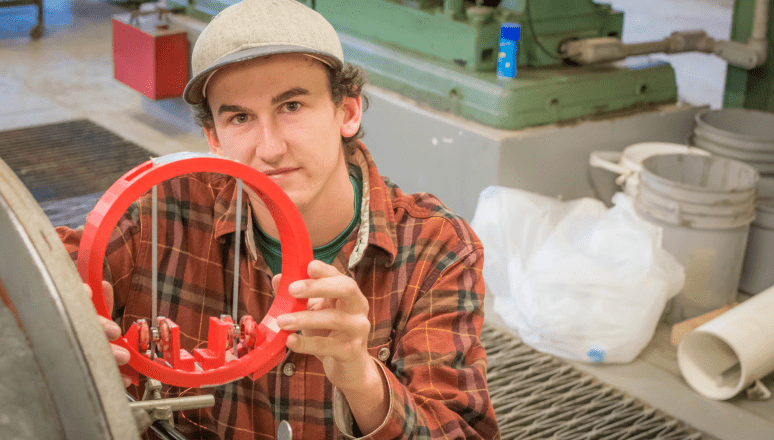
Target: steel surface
x=59, y=321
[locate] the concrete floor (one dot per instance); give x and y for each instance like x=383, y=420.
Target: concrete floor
x=68, y=74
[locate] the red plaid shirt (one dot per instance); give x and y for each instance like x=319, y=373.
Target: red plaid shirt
x=418, y=265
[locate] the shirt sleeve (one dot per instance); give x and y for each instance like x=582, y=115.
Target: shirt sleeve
x=119, y=254
x=437, y=378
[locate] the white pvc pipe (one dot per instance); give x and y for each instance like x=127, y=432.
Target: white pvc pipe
x=760, y=20
x=726, y=355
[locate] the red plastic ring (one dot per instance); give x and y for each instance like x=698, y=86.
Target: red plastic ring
x=296, y=256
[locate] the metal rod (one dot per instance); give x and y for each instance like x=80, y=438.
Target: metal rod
x=235, y=296
x=175, y=403
x=163, y=429
x=154, y=268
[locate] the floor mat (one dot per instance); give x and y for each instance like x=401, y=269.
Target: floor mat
x=68, y=159
x=537, y=396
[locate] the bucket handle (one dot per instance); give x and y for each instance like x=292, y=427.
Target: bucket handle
x=608, y=160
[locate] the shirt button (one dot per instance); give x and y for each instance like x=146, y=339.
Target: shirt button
x=383, y=354
x=289, y=369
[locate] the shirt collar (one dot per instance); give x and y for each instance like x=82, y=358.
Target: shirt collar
x=377, y=216
x=377, y=222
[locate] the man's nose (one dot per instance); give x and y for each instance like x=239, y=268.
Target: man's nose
x=270, y=147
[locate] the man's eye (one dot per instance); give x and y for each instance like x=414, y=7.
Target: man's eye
x=240, y=118
x=292, y=106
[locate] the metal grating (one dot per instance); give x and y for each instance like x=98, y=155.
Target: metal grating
x=68, y=159
x=537, y=396
x=70, y=212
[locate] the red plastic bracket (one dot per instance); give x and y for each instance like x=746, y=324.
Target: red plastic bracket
x=296, y=255
x=214, y=355
x=175, y=356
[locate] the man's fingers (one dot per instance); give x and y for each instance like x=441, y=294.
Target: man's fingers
x=112, y=330
x=340, y=286
x=120, y=354
x=326, y=319
x=107, y=293
x=340, y=290
x=318, y=269
x=107, y=290
x=275, y=281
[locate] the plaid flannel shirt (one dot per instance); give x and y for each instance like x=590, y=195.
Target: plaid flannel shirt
x=418, y=265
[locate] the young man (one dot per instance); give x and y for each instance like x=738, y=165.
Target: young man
x=389, y=344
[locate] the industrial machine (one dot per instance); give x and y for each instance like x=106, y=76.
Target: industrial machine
x=444, y=53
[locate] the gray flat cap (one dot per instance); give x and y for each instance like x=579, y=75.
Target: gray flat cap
x=256, y=28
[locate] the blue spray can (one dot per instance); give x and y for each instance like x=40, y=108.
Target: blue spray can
x=510, y=33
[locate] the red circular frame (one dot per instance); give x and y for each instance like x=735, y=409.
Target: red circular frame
x=296, y=256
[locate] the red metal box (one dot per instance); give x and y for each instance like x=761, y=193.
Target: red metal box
x=150, y=59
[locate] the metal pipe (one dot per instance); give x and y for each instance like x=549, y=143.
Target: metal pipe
x=154, y=270
x=237, y=242
x=748, y=56
x=175, y=403
x=646, y=47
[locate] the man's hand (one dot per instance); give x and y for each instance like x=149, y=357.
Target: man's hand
x=335, y=328
x=112, y=330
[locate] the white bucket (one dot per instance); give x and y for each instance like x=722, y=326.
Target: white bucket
x=758, y=270
x=623, y=167
x=724, y=356
x=740, y=134
x=705, y=205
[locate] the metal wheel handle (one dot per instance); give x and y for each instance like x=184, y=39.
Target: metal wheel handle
x=208, y=367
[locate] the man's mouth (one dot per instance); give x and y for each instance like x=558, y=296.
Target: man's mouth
x=279, y=171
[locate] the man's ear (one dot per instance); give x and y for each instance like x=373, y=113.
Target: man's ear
x=353, y=114
x=212, y=139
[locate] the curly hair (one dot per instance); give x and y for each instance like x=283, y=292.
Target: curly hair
x=345, y=82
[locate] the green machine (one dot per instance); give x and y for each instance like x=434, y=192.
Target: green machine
x=751, y=88
x=444, y=53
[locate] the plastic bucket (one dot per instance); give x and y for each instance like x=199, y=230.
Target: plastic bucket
x=740, y=134
x=758, y=271
x=705, y=205
x=620, y=169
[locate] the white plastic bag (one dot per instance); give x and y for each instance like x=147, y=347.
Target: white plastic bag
x=575, y=279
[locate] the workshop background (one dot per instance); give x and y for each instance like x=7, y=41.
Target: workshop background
x=555, y=132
